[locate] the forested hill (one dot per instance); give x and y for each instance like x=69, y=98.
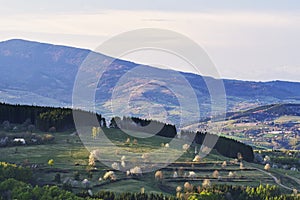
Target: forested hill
x=43, y=118
x=61, y=119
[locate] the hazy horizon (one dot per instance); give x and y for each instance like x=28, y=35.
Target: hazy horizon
x=256, y=40
x=145, y=63
x=142, y=63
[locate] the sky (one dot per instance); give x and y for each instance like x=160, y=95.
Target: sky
x=247, y=40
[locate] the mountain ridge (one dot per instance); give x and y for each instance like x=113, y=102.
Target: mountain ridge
x=49, y=71
x=20, y=41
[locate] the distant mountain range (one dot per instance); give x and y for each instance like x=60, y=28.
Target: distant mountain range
x=269, y=126
x=267, y=112
x=44, y=74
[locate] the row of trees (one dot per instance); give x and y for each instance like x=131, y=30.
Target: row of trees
x=13, y=189
x=62, y=118
x=14, y=184
x=220, y=192
x=107, y=195
x=226, y=146
x=144, y=125
x=43, y=118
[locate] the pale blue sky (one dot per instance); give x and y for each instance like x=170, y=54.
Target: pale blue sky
x=171, y=5
x=246, y=39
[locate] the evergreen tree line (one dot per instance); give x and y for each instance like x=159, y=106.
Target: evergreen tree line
x=144, y=125
x=42, y=117
x=226, y=146
x=62, y=119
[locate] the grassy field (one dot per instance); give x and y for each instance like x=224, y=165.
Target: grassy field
x=70, y=156
x=285, y=119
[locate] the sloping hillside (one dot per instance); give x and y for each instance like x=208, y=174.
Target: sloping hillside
x=271, y=126
x=44, y=74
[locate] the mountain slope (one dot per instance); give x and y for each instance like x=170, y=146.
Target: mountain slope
x=269, y=126
x=43, y=69
x=268, y=112
x=47, y=72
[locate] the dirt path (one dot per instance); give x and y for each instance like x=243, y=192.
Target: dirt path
x=293, y=178
x=275, y=179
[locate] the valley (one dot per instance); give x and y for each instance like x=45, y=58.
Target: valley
x=274, y=126
x=245, y=144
